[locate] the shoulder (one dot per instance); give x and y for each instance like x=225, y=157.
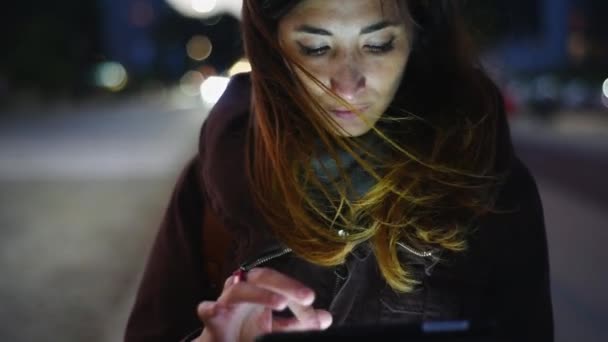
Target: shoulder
x=230, y=112
x=224, y=130
x=222, y=145
x=517, y=213
x=223, y=134
x=519, y=189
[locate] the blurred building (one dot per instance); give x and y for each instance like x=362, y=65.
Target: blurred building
x=553, y=55
x=151, y=39
x=550, y=34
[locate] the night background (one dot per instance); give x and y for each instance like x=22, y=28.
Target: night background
x=101, y=104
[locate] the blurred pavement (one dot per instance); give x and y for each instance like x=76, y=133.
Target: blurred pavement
x=569, y=158
x=82, y=193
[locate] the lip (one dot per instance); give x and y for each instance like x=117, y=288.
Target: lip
x=344, y=112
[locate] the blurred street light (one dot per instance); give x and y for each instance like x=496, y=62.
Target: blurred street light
x=213, y=88
x=206, y=8
x=239, y=67
x=199, y=47
x=111, y=75
x=605, y=93
x=190, y=83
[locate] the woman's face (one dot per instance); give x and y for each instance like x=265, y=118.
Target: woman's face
x=357, y=48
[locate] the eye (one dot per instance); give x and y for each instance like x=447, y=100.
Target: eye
x=382, y=48
x=313, y=52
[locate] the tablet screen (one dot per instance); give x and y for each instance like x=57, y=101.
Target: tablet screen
x=452, y=331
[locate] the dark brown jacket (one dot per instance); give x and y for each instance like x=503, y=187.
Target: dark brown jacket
x=504, y=275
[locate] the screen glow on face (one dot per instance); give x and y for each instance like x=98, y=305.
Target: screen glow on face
x=356, y=48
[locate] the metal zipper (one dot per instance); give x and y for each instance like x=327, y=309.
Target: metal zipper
x=425, y=254
x=273, y=255
x=339, y=278
x=336, y=287
x=428, y=269
x=247, y=266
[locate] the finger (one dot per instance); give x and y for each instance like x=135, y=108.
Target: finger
x=292, y=289
x=325, y=319
x=305, y=313
x=229, y=281
x=245, y=292
x=206, y=310
x=294, y=324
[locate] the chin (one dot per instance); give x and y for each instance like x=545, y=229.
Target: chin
x=355, y=127
x=353, y=132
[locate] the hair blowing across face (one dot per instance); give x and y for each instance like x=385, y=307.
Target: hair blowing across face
x=440, y=175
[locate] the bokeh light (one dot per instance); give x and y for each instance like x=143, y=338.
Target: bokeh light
x=207, y=70
x=213, y=88
x=240, y=67
x=199, y=47
x=204, y=6
x=190, y=83
x=111, y=75
x=605, y=93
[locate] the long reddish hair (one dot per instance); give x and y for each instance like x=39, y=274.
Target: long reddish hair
x=440, y=173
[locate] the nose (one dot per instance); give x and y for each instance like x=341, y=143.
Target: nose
x=347, y=82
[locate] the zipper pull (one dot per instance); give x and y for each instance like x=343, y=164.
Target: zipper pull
x=429, y=269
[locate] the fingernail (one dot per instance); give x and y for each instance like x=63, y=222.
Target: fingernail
x=325, y=319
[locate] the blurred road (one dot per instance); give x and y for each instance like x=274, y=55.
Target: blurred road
x=569, y=159
x=82, y=193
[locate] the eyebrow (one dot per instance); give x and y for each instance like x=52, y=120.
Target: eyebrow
x=366, y=30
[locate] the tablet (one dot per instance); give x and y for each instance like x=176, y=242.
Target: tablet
x=439, y=331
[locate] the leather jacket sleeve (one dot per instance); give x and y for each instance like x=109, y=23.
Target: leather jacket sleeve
x=182, y=268
x=521, y=284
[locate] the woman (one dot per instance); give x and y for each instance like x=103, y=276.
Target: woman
x=369, y=180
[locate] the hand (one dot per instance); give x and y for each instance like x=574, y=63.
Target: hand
x=244, y=309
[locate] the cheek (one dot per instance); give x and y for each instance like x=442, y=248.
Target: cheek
x=320, y=72
x=384, y=75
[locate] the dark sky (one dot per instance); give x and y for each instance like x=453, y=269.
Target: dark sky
x=53, y=38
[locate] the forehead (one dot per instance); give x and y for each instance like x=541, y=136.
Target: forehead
x=340, y=12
